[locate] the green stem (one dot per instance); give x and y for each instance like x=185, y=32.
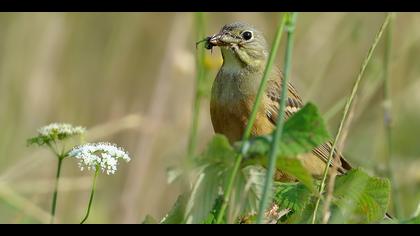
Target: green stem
x=252, y=118
x=388, y=116
x=345, y=112
x=290, y=27
x=55, y=194
x=192, y=142
x=91, y=194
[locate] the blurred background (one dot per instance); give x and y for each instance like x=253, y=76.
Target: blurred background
x=130, y=78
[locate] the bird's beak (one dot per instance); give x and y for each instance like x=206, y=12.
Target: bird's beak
x=216, y=40
x=221, y=39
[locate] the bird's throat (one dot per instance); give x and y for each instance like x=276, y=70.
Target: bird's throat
x=231, y=63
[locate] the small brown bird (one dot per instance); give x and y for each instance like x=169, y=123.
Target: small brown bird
x=245, y=54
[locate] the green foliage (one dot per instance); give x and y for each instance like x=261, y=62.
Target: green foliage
x=247, y=192
x=293, y=196
x=302, y=132
x=41, y=140
x=360, y=198
x=55, y=132
x=357, y=198
x=293, y=167
x=211, y=218
x=214, y=165
x=204, y=194
x=218, y=151
x=177, y=212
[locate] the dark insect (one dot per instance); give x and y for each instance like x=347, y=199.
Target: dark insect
x=207, y=44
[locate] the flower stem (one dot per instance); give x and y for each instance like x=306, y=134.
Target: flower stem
x=91, y=195
x=252, y=118
x=55, y=194
x=290, y=27
x=346, y=111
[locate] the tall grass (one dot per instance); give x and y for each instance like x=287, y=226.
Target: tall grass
x=346, y=111
x=200, y=29
x=252, y=117
x=139, y=66
x=290, y=27
x=396, y=204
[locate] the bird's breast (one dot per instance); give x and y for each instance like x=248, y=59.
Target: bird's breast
x=231, y=105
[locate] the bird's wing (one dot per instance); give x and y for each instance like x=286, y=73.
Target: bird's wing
x=293, y=104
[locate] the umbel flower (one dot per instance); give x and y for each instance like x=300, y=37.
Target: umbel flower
x=56, y=131
x=99, y=155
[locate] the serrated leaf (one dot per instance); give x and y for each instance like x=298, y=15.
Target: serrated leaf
x=360, y=198
x=302, y=132
x=294, y=196
x=247, y=192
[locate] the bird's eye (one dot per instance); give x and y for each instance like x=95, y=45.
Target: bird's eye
x=247, y=35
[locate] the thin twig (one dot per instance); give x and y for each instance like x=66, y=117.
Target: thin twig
x=346, y=110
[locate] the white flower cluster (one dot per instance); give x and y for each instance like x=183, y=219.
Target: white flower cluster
x=101, y=155
x=62, y=129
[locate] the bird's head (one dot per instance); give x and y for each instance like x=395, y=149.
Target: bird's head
x=241, y=45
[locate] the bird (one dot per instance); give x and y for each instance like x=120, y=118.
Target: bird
x=245, y=53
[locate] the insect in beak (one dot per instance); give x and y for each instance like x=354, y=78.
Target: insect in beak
x=207, y=43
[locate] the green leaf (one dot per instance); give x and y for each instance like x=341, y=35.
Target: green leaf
x=302, y=132
x=214, y=164
x=204, y=193
x=293, y=167
x=211, y=218
x=293, y=196
x=177, y=212
x=247, y=192
x=218, y=150
x=360, y=198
